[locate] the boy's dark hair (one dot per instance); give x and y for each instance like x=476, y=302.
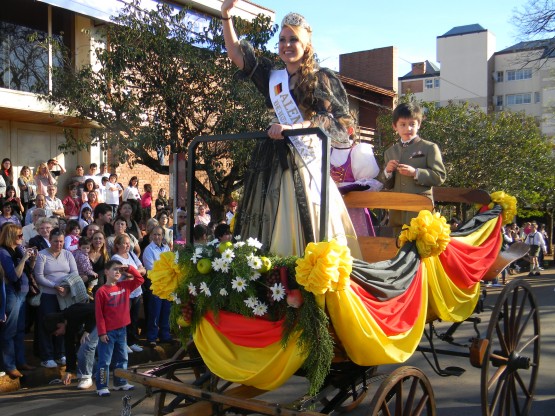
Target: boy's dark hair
x=93, y=165
x=111, y=263
x=72, y=187
x=84, y=241
x=407, y=110
x=200, y=231
x=147, y=187
x=101, y=209
x=221, y=230
x=114, y=175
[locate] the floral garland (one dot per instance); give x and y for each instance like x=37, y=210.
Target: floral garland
x=234, y=277
x=430, y=231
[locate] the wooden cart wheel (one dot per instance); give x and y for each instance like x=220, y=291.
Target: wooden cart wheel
x=405, y=392
x=512, y=357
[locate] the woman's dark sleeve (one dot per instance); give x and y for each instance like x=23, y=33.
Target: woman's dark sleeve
x=257, y=69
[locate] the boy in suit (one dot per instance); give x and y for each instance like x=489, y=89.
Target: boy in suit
x=412, y=165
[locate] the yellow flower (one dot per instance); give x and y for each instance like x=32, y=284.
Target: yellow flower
x=430, y=231
x=326, y=266
x=165, y=276
x=507, y=202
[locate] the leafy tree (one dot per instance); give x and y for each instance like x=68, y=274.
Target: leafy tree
x=156, y=85
x=502, y=151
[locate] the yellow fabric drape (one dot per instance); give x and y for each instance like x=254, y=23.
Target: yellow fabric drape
x=446, y=301
x=364, y=341
x=264, y=368
x=480, y=235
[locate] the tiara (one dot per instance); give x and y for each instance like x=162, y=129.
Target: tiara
x=295, y=19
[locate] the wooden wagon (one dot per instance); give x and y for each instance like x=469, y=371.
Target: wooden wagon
x=507, y=353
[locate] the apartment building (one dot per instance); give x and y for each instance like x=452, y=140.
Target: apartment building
x=518, y=78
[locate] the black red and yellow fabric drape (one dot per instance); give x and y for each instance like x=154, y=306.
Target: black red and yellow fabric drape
x=379, y=317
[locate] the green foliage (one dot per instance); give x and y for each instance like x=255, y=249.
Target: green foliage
x=156, y=85
x=501, y=151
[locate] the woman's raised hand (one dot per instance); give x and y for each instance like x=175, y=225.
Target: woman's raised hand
x=227, y=5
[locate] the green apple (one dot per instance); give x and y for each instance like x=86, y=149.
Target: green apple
x=224, y=246
x=182, y=322
x=204, y=266
x=266, y=265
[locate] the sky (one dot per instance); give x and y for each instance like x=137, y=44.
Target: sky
x=411, y=26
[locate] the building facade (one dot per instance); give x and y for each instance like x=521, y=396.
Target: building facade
x=518, y=78
x=30, y=131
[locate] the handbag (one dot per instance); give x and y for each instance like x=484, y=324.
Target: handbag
x=34, y=300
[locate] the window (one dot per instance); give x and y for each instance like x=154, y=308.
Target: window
x=514, y=99
x=499, y=76
x=436, y=82
x=518, y=74
x=24, y=62
x=536, y=97
x=499, y=101
x=429, y=83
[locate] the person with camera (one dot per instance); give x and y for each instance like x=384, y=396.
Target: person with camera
x=17, y=263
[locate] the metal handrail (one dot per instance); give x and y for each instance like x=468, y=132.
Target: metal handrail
x=191, y=168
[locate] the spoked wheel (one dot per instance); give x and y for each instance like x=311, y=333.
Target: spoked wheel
x=512, y=357
x=405, y=392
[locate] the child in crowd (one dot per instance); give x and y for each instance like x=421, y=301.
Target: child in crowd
x=86, y=217
x=84, y=266
x=112, y=317
x=72, y=203
x=412, y=165
x=72, y=232
x=113, y=192
x=146, y=203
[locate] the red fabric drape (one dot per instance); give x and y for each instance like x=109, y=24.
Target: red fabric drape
x=466, y=265
x=246, y=332
x=396, y=315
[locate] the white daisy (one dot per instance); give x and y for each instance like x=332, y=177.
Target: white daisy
x=278, y=292
x=260, y=309
x=239, y=284
x=192, y=289
x=253, y=242
x=174, y=298
x=214, y=242
x=255, y=263
x=255, y=276
x=220, y=265
x=237, y=238
x=198, y=250
x=239, y=244
x=251, y=302
x=223, y=292
x=228, y=255
x=176, y=259
x=195, y=258
x=205, y=289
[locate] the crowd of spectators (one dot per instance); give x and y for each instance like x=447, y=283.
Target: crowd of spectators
x=51, y=245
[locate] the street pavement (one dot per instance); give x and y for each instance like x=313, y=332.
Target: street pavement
x=458, y=396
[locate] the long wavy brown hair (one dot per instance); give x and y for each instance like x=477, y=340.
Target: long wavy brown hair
x=304, y=90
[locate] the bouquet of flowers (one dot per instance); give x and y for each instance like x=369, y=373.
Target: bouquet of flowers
x=237, y=278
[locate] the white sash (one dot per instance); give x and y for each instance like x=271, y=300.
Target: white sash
x=287, y=112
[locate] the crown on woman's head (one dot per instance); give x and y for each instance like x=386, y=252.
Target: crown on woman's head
x=295, y=19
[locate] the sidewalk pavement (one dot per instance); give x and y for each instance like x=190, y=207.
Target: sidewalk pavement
x=42, y=376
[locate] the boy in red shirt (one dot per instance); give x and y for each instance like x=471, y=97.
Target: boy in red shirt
x=112, y=318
